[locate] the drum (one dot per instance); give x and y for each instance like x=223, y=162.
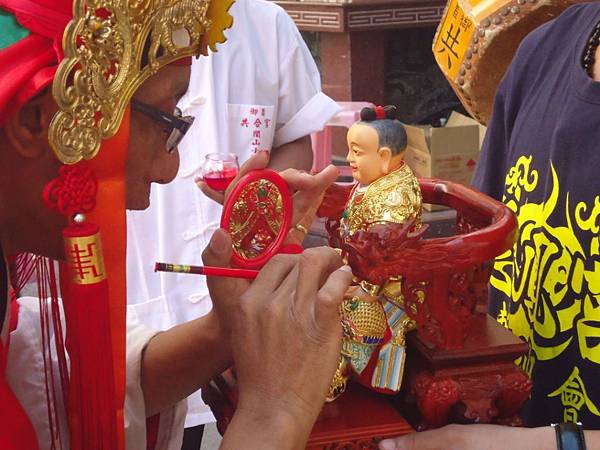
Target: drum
x=477, y=39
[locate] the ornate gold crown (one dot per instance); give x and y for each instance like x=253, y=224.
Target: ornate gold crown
x=111, y=47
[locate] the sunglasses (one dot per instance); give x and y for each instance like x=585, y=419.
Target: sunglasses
x=176, y=124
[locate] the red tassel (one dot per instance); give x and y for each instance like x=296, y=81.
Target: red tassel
x=85, y=290
x=94, y=422
x=50, y=317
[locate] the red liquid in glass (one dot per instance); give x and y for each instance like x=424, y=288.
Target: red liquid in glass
x=221, y=179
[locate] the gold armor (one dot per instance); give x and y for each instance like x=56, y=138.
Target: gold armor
x=364, y=324
x=393, y=198
x=369, y=310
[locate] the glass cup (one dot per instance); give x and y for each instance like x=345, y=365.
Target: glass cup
x=219, y=170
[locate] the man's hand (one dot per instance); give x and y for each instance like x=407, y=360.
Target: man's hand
x=178, y=361
x=475, y=437
x=286, y=339
x=307, y=190
x=259, y=160
x=225, y=292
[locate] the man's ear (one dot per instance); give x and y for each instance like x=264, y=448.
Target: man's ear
x=385, y=153
x=27, y=129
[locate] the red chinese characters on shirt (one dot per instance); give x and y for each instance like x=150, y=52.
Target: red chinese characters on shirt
x=257, y=122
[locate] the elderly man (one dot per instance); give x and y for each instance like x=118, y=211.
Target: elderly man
x=99, y=75
x=260, y=91
x=538, y=158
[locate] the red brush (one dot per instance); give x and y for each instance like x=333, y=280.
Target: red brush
x=206, y=270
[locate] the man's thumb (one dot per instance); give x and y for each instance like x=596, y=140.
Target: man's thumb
x=218, y=251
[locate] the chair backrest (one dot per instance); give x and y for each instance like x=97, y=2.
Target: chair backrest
x=441, y=279
x=445, y=278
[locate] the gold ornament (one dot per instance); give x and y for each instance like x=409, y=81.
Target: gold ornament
x=111, y=47
x=85, y=258
x=364, y=324
x=371, y=289
x=393, y=198
x=363, y=321
x=399, y=337
x=392, y=291
x=338, y=384
x=301, y=228
x=254, y=228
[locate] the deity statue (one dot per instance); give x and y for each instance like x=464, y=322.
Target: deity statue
x=385, y=198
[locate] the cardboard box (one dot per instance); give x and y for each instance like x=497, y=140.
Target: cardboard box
x=458, y=119
x=449, y=153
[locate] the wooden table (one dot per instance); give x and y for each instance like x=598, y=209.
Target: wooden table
x=352, y=39
x=358, y=420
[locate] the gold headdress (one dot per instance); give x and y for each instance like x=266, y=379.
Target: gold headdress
x=111, y=47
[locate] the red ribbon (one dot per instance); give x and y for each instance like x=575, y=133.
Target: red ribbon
x=47, y=18
x=379, y=113
x=28, y=66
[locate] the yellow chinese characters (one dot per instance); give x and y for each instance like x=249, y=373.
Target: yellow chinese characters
x=573, y=396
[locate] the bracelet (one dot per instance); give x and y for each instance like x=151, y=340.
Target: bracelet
x=569, y=436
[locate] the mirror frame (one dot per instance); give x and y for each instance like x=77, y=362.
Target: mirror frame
x=286, y=197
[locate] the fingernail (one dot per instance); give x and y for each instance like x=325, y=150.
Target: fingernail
x=346, y=268
x=388, y=444
x=218, y=243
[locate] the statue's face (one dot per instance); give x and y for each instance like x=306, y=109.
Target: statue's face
x=364, y=156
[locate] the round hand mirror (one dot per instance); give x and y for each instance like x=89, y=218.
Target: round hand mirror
x=257, y=214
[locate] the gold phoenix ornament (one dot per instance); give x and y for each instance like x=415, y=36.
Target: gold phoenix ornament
x=111, y=47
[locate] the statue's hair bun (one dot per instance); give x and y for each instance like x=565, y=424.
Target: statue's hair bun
x=370, y=114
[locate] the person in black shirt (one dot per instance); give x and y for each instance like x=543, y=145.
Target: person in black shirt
x=540, y=158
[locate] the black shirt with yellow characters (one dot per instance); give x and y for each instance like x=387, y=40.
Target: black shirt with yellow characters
x=542, y=159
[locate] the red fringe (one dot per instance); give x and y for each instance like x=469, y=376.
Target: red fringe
x=92, y=402
x=43, y=282
x=23, y=267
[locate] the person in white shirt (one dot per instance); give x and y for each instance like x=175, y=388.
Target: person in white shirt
x=260, y=91
x=163, y=368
